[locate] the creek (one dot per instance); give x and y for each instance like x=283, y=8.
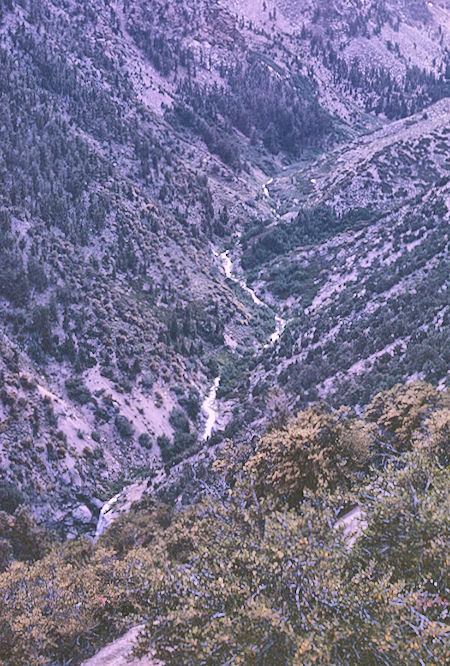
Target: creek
x=210, y=407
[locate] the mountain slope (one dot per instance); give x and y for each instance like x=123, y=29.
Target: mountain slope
x=139, y=141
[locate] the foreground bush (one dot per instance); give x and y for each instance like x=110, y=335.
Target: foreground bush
x=21, y=538
x=57, y=608
x=316, y=447
x=243, y=582
x=245, y=579
x=285, y=589
x=400, y=412
x=10, y=496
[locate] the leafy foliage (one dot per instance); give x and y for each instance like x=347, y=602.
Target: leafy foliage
x=315, y=448
x=10, y=496
x=21, y=538
x=401, y=410
x=239, y=578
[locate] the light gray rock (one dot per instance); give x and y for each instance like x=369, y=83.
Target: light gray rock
x=81, y=514
x=118, y=652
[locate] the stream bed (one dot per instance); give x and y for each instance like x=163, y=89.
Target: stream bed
x=209, y=408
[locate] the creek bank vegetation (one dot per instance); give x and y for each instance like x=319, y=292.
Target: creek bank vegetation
x=255, y=573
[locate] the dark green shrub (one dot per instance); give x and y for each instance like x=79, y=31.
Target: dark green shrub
x=145, y=440
x=76, y=390
x=179, y=420
x=124, y=427
x=10, y=496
